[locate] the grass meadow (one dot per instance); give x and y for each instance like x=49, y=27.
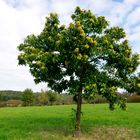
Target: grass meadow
x=56, y=123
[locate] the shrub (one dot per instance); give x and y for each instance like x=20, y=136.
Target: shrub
x=6, y=95
x=42, y=99
x=97, y=99
x=52, y=97
x=28, y=97
x=64, y=99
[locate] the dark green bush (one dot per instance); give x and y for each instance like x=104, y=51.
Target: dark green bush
x=28, y=97
x=52, y=97
x=6, y=95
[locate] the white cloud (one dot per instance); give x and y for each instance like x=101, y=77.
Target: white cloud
x=134, y=17
x=136, y=29
x=97, y=6
x=16, y=24
x=134, y=35
x=134, y=39
x=19, y=18
x=64, y=9
x=131, y=2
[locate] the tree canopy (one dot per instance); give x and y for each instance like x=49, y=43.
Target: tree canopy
x=85, y=58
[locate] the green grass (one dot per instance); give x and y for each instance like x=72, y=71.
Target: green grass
x=55, y=122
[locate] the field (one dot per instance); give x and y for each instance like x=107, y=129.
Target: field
x=56, y=123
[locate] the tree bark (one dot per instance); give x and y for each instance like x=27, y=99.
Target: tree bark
x=78, y=114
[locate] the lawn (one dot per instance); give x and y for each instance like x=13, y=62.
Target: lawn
x=56, y=123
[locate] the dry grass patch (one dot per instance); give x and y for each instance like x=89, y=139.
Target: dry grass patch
x=95, y=134
x=112, y=134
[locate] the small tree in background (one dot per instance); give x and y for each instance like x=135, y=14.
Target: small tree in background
x=42, y=98
x=86, y=58
x=52, y=97
x=28, y=97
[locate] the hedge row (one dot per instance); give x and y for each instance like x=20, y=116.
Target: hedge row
x=28, y=98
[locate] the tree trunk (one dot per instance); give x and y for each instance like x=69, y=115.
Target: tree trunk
x=78, y=114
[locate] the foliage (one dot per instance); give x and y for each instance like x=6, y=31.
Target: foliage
x=97, y=99
x=65, y=99
x=52, y=97
x=96, y=58
x=86, y=58
x=28, y=97
x=134, y=84
x=42, y=98
x=6, y=95
x=14, y=98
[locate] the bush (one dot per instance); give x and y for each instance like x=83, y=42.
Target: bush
x=97, y=99
x=52, y=97
x=64, y=99
x=6, y=95
x=28, y=97
x=42, y=99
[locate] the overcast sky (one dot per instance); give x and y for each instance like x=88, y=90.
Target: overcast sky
x=19, y=18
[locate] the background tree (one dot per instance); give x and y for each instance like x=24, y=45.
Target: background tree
x=86, y=58
x=42, y=98
x=28, y=97
x=52, y=97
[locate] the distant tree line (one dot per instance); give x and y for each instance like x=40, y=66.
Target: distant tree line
x=27, y=97
x=6, y=95
x=30, y=98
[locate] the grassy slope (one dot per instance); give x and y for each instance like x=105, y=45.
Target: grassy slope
x=55, y=122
